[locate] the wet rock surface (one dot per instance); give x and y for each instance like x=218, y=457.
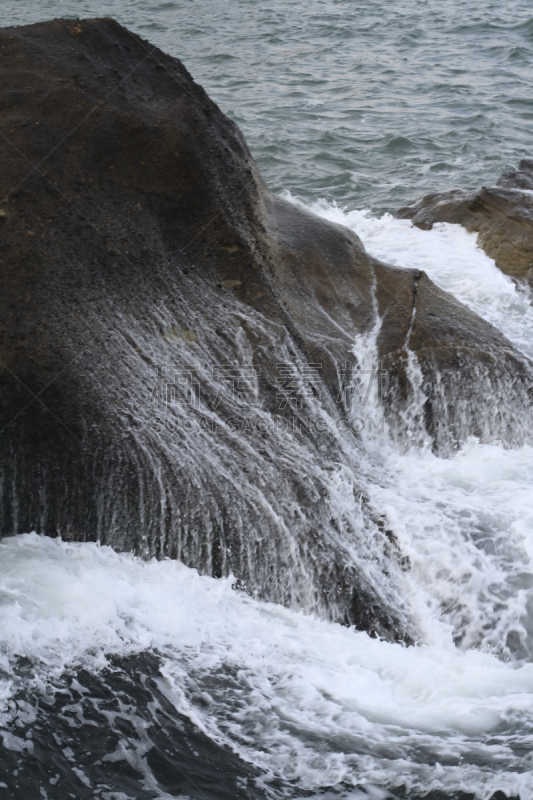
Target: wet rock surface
x=502, y=215
x=174, y=339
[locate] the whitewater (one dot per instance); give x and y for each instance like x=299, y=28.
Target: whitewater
x=317, y=709
x=119, y=676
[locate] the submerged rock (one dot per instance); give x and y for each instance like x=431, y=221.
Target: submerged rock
x=183, y=354
x=502, y=215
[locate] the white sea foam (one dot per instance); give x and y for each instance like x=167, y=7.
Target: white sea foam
x=451, y=257
x=305, y=694
x=466, y=525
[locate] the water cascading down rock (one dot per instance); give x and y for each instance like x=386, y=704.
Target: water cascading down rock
x=177, y=345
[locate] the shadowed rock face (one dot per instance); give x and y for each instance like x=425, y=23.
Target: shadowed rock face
x=501, y=214
x=173, y=339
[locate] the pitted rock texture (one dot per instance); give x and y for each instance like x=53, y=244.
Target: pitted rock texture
x=172, y=338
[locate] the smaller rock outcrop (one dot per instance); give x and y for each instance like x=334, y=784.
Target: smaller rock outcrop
x=502, y=215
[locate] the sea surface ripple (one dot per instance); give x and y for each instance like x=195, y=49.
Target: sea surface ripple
x=366, y=104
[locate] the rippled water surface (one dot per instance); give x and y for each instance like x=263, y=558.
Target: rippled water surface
x=368, y=104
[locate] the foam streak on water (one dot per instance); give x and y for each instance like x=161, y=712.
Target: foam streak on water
x=303, y=699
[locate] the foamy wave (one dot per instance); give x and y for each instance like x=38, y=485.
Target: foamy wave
x=306, y=694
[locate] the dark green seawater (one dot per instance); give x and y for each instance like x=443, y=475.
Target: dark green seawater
x=368, y=104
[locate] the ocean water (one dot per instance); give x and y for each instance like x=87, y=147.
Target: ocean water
x=369, y=104
x=128, y=679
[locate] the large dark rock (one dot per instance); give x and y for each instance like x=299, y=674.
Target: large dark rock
x=502, y=215
x=172, y=338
